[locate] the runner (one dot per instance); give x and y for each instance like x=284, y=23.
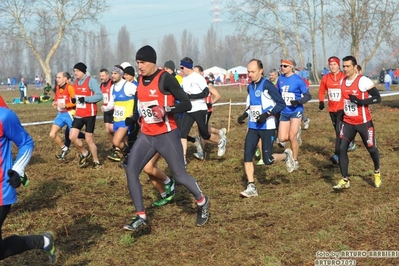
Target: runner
x=263, y=103
x=213, y=97
x=12, y=176
x=194, y=85
x=156, y=94
x=105, y=86
x=295, y=93
x=66, y=111
x=87, y=94
x=358, y=92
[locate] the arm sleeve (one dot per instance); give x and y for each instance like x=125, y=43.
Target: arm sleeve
x=71, y=92
x=171, y=85
x=276, y=96
x=305, y=98
x=17, y=134
x=94, y=87
x=322, y=89
x=200, y=95
x=375, y=97
x=110, y=105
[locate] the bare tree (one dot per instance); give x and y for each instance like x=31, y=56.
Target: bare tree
x=210, y=53
x=105, y=54
x=63, y=17
x=123, y=47
x=168, y=50
x=189, y=46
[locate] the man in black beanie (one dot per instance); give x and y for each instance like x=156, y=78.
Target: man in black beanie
x=87, y=94
x=170, y=67
x=156, y=92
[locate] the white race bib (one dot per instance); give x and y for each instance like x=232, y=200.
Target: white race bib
x=147, y=114
x=334, y=95
x=254, y=112
x=119, y=112
x=350, y=108
x=105, y=98
x=288, y=97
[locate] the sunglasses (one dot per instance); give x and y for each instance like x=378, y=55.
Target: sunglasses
x=285, y=66
x=181, y=67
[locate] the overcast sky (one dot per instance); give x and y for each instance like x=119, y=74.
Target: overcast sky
x=149, y=21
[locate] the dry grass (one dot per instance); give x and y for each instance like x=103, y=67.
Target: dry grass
x=294, y=216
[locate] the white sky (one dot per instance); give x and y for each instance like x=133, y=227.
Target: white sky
x=149, y=21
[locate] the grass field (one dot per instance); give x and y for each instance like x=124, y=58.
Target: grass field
x=295, y=216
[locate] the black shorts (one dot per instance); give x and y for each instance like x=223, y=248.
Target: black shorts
x=88, y=122
x=109, y=116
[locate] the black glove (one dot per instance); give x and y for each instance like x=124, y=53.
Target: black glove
x=353, y=98
x=14, y=178
x=240, y=119
x=262, y=118
x=73, y=100
x=81, y=100
x=294, y=103
x=132, y=120
x=321, y=105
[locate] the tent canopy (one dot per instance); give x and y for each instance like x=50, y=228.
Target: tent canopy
x=215, y=71
x=240, y=70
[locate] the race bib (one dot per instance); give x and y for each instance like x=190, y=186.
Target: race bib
x=350, y=108
x=254, y=112
x=119, y=112
x=105, y=98
x=288, y=97
x=147, y=114
x=334, y=95
x=61, y=103
x=80, y=105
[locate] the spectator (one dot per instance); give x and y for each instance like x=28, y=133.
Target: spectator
x=387, y=81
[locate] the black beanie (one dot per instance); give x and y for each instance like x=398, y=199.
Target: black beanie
x=169, y=64
x=147, y=54
x=80, y=66
x=129, y=70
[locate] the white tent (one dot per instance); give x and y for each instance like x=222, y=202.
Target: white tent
x=216, y=71
x=240, y=70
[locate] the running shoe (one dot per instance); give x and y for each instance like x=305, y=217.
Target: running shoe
x=83, y=162
x=306, y=124
x=289, y=161
x=135, y=223
x=280, y=144
x=257, y=152
x=222, y=147
x=296, y=165
x=260, y=162
x=115, y=156
x=342, y=184
x=222, y=133
x=96, y=165
x=198, y=145
x=199, y=156
x=352, y=146
x=250, y=191
x=62, y=155
x=377, y=179
x=298, y=136
x=334, y=159
x=203, y=213
x=51, y=249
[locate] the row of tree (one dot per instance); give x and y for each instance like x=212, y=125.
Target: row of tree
x=47, y=36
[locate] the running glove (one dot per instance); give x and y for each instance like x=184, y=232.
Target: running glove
x=73, y=100
x=240, y=119
x=353, y=98
x=158, y=111
x=81, y=100
x=321, y=105
x=14, y=178
x=262, y=118
x=294, y=103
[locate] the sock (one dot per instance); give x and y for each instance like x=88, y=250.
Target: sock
x=46, y=242
x=64, y=148
x=167, y=181
x=142, y=215
x=201, y=201
x=163, y=195
x=85, y=154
